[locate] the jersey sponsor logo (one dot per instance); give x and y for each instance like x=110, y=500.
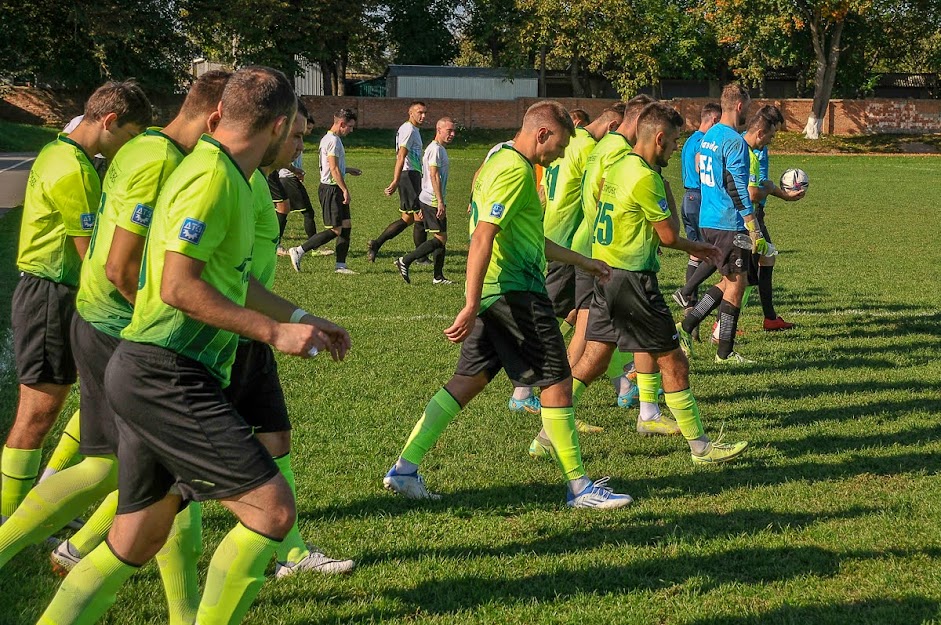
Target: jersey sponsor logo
x=753, y=178
x=497, y=210
x=192, y=230
x=87, y=221
x=664, y=206
x=142, y=215
x=710, y=145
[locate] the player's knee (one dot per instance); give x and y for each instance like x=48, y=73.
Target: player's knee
x=282, y=517
x=336, y=230
x=442, y=237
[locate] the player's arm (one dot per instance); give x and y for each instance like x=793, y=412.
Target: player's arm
x=81, y=245
x=598, y=268
x=337, y=175
x=435, y=172
x=671, y=202
x=668, y=232
x=124, y=259
x=397, y=173
x=478, y=258
x=778, y=192
x=78, y=210
x=183, y=288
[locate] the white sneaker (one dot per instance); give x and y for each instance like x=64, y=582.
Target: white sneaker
x=441, y=281
x=64, y=558
x=599, y=495
x=296, y=255
x=345, y=271
x=314, y=561
x=409, y=486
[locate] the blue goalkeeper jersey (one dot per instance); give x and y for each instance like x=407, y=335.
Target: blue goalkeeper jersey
x=723, y=176
x=688, y=156
x=763, y=168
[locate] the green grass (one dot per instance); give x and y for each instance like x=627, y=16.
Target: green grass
x=831, y=517
x=24, y=137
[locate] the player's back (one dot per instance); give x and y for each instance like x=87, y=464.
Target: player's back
x=723, y=175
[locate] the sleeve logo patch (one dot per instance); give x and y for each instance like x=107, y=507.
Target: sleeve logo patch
x=497, y=210
x=192, y=230
x=87, y=221
x=753, y=178
x=664, y=206
x=142, y=215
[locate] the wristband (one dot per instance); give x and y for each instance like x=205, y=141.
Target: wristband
x=297, y=315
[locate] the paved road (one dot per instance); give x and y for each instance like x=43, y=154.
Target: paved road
x=14, y=171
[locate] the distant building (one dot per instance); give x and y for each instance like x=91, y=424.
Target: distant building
x=309, y=82
x=460, y=83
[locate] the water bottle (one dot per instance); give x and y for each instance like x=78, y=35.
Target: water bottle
x=743, y=241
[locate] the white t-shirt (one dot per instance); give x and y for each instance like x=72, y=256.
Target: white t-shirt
x=409, y=138
x=331, y=145
x=435, y=156
x=72, y=125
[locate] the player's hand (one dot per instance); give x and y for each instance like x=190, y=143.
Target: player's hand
x=354, y=171
x=758, y=243
x=597, y=268
x=339, y=338
x=709, y=253
x=297, y=339
x=392, y=187
x=463, y=325
x=793, y=196
x=346, y=196
x=470, y=207
x=419, y=216
x=440, y=212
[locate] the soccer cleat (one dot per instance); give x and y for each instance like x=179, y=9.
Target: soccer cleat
x=717, y=452
x=409, y=486
x=345, y=271
x=282, y=251
x=681, y=299
x=403, y=269
x=296, y=255
x=583, y=427
x=64, y=558
x=530, y=404
x=662, y=425
x=776, y=324
x=441, y=281
x=371, y=251
x=734, y=359
x=541, y=447
x=424, y=261
x=599, y=495
x=322, y=251
x=686, y=341
x=315, y=561
x=630, y=398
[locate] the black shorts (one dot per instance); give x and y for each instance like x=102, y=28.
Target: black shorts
x=296, y=193
x=692, y=200
x=276, y=188
x=762, y=227
x=560, y=283
x=431, y=221
x=255, y=390
x=629, y=310
x=93, y=350
x=409, y=188
x=42, y=319
x=735, y=259
x=176, y=428
x=584, y=287
x=518, y=333
x=335, y=212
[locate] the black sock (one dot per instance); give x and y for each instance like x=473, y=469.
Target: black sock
x=691, y=267
x=282, y=222
x=419, y=234
x=424, y=249
x=310, y=224
x=699, y=276
x=319, y=239
x=728, y=326
x=392, y=230
x=343, y=245
x=438, y=257
x=709, y=302
x=764, y=291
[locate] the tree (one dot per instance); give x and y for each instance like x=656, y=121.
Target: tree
x=418, y=32
x=492, y=28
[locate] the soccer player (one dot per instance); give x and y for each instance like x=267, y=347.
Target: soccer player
x=62, y=197
x=333, y=194
x=629, y=311
x=165, y=379
x=726, y=210
x=433, y=209
x=692, y=198
x=291, y=179
x=507, y=321
x=580, y=117
x=407, y=178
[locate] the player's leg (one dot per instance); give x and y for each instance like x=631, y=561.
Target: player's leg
x=434, y=246
x=81, y=543
x=331, y=202
x=66, y=450
x=343, y=242
x=391, y=231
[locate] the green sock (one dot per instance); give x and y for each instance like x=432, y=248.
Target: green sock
x=292, y=548
x=19, y=468
x=578, y=388
x=89, y=590
x=686, y=412
x=565, y=327
x=177, y=560
x=55, y=502
x=648, y=386
x=439, y=412
x=97, y=526
x=559, y=425
x=236, y=574
x=66, y=450
x=745, y=296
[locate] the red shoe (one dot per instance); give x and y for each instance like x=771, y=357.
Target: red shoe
x=773, y=325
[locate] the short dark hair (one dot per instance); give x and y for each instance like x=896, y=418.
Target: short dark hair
x=618, y=108
x=773, y=113
x=710, y=109
x=123, y=98
x=760, y=122
x=303, y=110
x=346, y=114
x=416, y=103
x=656, y=117
x=255, y=96
x=635, y=105
x=548, y=111
x=732, y=94
x=204, y=95
x=580, y=115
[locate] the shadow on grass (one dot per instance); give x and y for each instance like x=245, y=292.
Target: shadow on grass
x=9, y=276
x=897, y=611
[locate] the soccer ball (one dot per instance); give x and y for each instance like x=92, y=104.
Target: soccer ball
x=794, y=180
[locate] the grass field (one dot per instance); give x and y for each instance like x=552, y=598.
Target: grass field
x=831, y=517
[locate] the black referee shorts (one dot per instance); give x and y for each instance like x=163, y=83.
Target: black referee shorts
x=409, y=188
x=335, y=212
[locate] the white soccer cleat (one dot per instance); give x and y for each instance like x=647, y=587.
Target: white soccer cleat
x=409, y=486
x=315, y=561
x=296, y=255
x=64, y=558
x=599, y=495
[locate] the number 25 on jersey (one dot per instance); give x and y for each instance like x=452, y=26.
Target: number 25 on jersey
x=706, y=174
